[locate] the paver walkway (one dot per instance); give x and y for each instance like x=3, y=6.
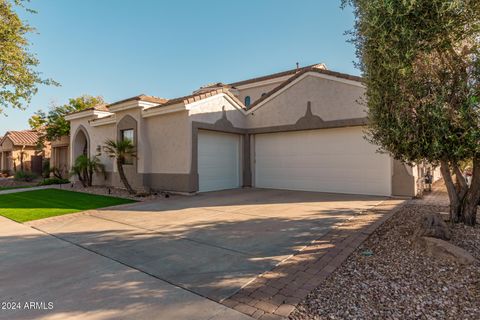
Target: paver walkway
x=275, y=293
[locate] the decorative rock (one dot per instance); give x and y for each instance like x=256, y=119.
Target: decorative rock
x=445, y=216
x=432, y=225
x=441, y=249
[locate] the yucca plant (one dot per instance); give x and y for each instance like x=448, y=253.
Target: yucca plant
x=121, y=150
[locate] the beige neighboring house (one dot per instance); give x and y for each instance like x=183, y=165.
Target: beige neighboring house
x=301, y=129
x=17, y=147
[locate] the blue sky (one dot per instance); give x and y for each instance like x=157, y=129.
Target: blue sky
x=121, y=48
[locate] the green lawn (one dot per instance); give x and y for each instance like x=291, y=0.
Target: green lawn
x=39, y=204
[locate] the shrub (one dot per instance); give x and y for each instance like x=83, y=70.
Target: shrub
x=46, y=168
x=25, y=176
x=50, y=181
x=57, y=173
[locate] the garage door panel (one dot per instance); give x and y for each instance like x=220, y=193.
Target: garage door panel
x=218, y=161
x=330, y=160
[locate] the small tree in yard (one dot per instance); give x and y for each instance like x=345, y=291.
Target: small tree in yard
x=53, y=125
x=420, y=62
x=121, y=150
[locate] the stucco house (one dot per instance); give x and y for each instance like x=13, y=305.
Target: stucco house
x=60, y=155
x=300, y=129
x=17, y=149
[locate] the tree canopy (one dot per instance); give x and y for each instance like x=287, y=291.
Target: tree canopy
x=420, y=63
x=53, y=123
x=19, y=79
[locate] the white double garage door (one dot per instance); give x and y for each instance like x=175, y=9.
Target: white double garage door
x=327, y=160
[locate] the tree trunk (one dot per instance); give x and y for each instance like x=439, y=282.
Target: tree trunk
x=462, y=183
x=469, y=210
x=455, y=201
x=82, y=181
x=123, y=177
x=90, y=177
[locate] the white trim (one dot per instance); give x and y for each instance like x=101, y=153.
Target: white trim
x=131, y=104
x=124, y=106
x=235, y=104
x=307, y=74
x=102, y=121
x=147, y=104
x=87, y=113
x=181, y=106
x=149, y=112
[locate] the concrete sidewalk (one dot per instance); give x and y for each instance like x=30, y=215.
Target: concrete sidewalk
x=80, y=284
x=28, y=189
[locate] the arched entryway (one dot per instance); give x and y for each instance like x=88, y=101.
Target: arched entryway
x=81, y=143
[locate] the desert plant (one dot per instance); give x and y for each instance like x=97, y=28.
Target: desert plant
x=86, y=167
x=24, y=176
x=121, y=150
x=50, y=181
x=21, y=158
x=46, y=168
x=57, y=173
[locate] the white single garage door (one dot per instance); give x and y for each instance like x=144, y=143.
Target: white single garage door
x=327, y=160
x=218, y=161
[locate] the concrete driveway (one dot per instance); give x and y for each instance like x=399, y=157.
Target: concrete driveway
x=211, y=244
x=45, y=278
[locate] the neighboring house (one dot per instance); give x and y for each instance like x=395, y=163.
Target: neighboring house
x=60, y=155
x=300, y=129
x=17, y=149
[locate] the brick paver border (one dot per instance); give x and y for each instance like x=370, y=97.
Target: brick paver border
x=275, y=293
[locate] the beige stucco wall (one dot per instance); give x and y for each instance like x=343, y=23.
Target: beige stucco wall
x=255, y=93
x=7, y=145
x=97, y=141
x=167, y=143
x=330, y=100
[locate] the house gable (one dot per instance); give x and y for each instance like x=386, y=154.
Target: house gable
x=220, y=106
x=329, y=99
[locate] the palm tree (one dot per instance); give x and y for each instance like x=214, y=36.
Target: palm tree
x=85, y=167
x=121, y=150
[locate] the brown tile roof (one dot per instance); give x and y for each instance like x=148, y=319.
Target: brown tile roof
x=141, y=97
x=22, y=138
x=197, y=97
x=277, y=75
x=299, y=74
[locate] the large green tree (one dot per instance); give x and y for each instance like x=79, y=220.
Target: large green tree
x=420, y=62
x=53, y=123
x=19, y=79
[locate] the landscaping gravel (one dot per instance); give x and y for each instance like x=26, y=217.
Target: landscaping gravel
x=114, y=192
x=398, y=281
x=11, y=183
